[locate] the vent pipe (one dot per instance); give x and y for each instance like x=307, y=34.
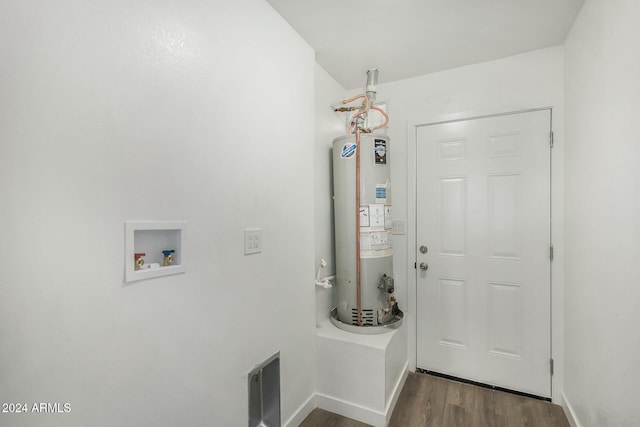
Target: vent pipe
x=372, y=81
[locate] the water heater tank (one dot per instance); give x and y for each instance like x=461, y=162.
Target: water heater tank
x=377, y=301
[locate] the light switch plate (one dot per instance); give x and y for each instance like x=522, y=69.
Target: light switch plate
x=252, y=241
x=399, y=226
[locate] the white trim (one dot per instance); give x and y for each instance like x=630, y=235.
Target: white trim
x=351, y=410
x=302, y=412
x=557, y=296
x=396, y=392
x=569, y=412
x=410, y=314
x=424, y=120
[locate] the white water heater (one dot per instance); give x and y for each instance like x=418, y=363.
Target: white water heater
x=364, y=286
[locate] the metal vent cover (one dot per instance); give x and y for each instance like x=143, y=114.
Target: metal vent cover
x=264, y=393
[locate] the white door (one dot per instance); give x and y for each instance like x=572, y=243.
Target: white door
x=483, y=218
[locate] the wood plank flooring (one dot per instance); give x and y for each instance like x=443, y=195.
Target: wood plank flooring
x=429, y=401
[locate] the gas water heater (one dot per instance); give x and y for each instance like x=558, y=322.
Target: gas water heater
x=363, y=232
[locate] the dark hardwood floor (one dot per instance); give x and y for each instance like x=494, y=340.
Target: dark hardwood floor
x=429, y=401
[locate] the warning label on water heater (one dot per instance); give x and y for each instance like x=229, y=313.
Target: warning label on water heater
x=375, y=244
x=375, y=231
x=380, y=151
x=364, y=216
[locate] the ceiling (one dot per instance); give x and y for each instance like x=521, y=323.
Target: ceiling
x=408, y=38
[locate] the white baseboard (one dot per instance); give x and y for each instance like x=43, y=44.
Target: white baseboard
x=569, y=412
x=302, y=412
x=351, y=410
x=396, y=392
x=362, y=413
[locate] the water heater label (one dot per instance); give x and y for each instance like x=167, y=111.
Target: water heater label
x=375, y=244
x=380, y=151
x=381, y=193
x=364, y=216
x=376, y=217
x=388, y=218
x=348, y=150
x=375, y=231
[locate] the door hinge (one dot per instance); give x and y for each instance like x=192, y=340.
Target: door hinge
x=551, y=365
x=551, y=139
x=551, y=253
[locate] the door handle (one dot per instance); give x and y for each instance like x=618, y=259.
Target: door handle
x=424, y=266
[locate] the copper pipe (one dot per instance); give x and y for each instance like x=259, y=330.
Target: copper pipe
x=362, y=110
x=346, y=101
x=386, y=117
x=358, y=293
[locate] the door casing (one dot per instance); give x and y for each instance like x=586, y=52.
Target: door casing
x=557, y=284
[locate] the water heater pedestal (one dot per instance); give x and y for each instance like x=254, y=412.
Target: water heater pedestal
x=360, y=376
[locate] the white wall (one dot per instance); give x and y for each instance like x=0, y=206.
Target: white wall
x=603, y=213
x=114, y=110
x=329, y=125
x=529, y=80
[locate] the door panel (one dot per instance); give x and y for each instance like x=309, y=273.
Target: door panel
x=483, y=210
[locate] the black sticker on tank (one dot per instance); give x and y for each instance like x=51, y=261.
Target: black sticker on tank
x=380, y=151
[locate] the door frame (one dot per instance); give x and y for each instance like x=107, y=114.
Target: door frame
x=557, y=230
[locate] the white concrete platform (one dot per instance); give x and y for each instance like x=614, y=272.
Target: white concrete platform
x=360, y=376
